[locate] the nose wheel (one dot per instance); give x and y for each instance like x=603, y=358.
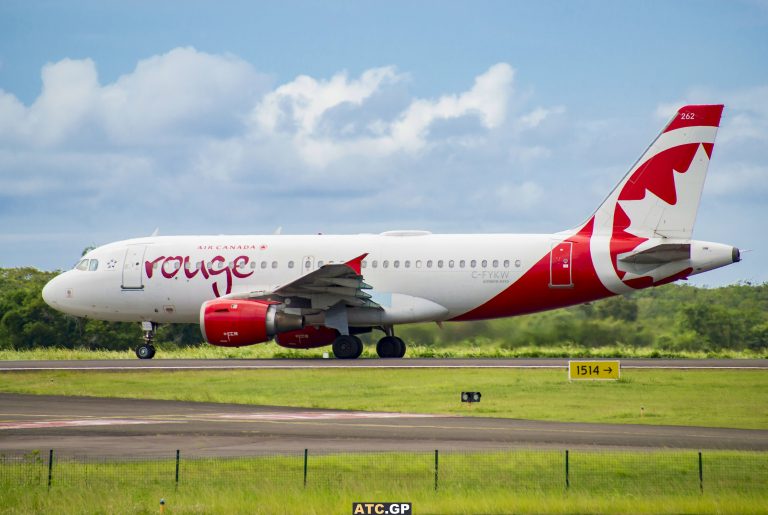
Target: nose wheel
x=146, y=350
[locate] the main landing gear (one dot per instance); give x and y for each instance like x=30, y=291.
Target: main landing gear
x=390, y=347
x=347, y=346
x=350, y=347
x=146, y=350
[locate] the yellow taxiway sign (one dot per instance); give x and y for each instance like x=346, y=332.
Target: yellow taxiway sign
x=594, y=370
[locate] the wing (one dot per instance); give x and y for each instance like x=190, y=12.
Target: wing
x=322, y=288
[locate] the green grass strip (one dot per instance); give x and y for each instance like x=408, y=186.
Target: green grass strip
x=489, y=482
x=713, y=398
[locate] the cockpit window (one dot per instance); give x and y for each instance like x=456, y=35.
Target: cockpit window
x=87, y=264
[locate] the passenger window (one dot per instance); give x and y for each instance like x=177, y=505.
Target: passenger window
x=176, y=264
x=473, y=263
x=517, y=263
x=418, y=263
x=375, y=264
x=495, y=263
x=506, y=263
x=429, y=263
x=385, y=263
x=440, y=263
x=485, y=263
x=253, y=265
x=94, y=264
x=396, y=264
x=320, y=263
x=307, y=264
x=290, y=264
x=365, y=264
x=263, y=264
x=274, y=264
x=407, y=264
x=462, y=263
x=450, y=263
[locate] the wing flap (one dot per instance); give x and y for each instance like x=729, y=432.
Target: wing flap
x=324, y=287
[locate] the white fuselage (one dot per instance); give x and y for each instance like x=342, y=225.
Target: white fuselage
x=458, y=272
x=415, y=276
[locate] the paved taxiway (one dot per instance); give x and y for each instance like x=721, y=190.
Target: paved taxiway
x=228, y=364
x=130, y=427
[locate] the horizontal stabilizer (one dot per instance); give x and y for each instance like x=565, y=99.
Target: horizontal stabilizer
x=658, y=254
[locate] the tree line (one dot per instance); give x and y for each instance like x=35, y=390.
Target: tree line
x=672, y=317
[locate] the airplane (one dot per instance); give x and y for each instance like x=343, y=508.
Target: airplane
x=319, y=290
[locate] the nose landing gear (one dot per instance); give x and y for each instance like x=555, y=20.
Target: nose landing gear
x=146, y=350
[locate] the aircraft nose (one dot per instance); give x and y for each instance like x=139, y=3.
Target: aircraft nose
x=51, y=294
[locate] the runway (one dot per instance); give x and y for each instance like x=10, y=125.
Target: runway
x=131, y=427
x=228, y=364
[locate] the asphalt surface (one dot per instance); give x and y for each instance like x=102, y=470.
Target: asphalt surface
x=225, y=364
x=131, y=427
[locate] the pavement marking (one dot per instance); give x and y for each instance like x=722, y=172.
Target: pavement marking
x=513, y=429
x=313, y=415
x=314, y=420
x=72, y=423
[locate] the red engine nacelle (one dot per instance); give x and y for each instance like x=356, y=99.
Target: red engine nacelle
x=307, y=338
x=235, y=323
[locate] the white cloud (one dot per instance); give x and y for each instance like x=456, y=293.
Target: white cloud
x=536, y=117
x=297, y=110
x=70, y=89
x=181, y=93
x=298, y=106
x=738, y=179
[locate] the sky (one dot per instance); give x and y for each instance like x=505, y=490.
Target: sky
x=119, y=118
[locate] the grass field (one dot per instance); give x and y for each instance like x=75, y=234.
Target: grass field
x=486, y=350
x=716, y=398
x=495, y=482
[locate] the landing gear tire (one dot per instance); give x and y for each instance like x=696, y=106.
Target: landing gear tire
x=347, y=347
x=390, y=347
x=401, y=351
x=145, y=351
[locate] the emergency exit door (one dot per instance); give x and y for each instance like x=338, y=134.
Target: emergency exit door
x=561, y=265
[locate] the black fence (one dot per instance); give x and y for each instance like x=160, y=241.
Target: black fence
x=641, y=472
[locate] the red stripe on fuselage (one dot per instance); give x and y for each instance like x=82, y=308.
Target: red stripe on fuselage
x=532, y=293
